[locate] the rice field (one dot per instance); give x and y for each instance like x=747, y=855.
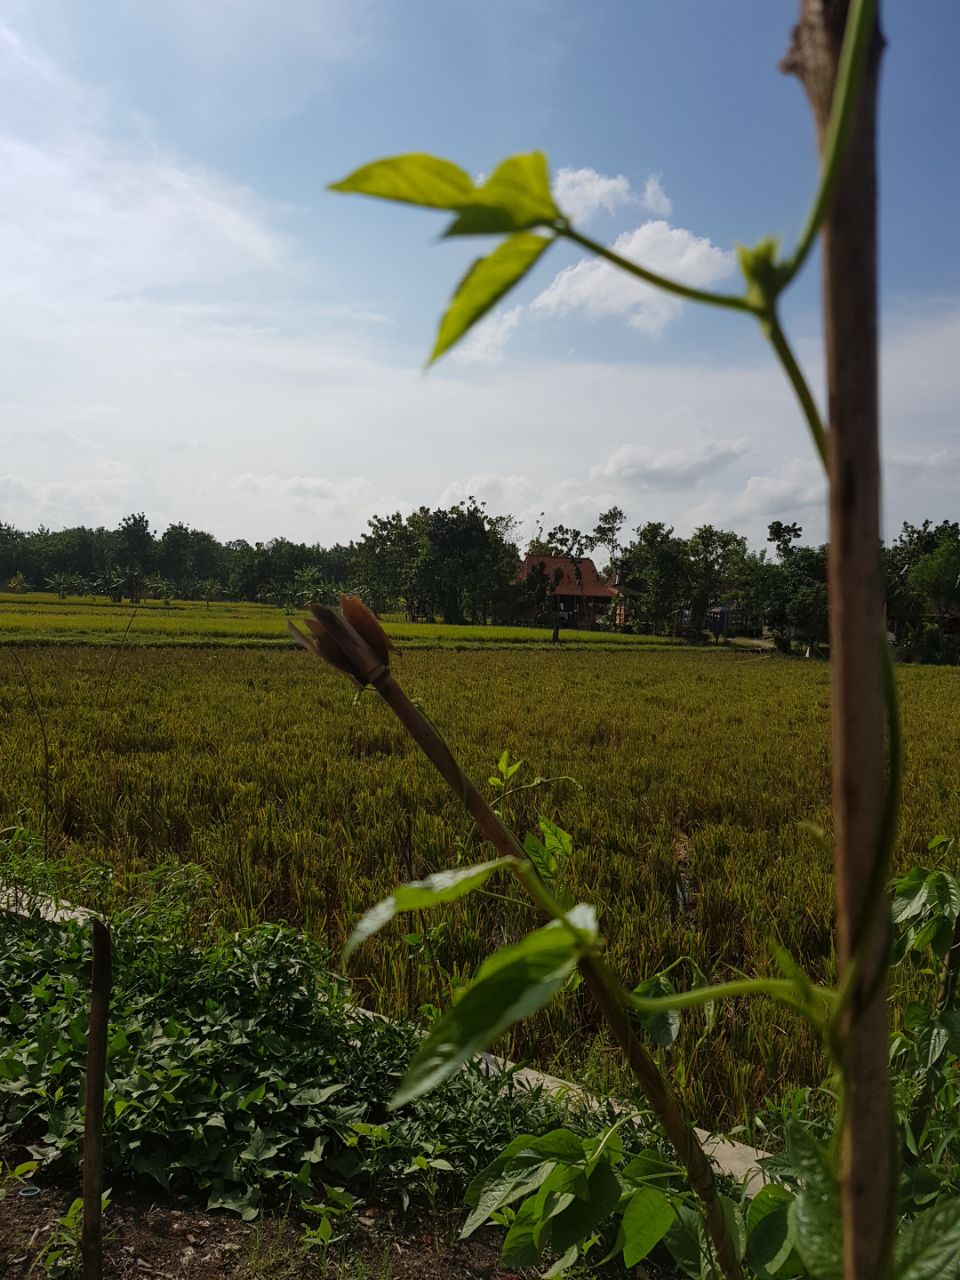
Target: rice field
x=684, y=776
x=42, y=618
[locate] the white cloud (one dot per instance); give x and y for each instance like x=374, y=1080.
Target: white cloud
x=78, y=222
x=598, y=289
x=302, y=489
x=642, y=467
x=94, y=495
x=581, y=193
x=486, y=343
x=217, y=65
x=655, y=200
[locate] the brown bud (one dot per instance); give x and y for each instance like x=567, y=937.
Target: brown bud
x=366, y=623
x=344, y=640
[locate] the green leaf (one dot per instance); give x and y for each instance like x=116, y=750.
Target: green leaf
x=587, y=1212
x=646, y=1165
x=928, y=1248
x=486, y=282
x=511, y=984
x=520, y=1248
x=647, y=1219
x=769, y=1230
x=685, y=1242
x=563, y=1263
x=246, y=1202
x=525, y=1164
x=815, y=1214
x=442, y=886
x=515, y=197
x=262, y=1146
x=414, y=178
x=662, y=1027
x=735, y=1225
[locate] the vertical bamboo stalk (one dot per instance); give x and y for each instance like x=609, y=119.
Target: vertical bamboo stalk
x=868, y=1172
x=91, y=1243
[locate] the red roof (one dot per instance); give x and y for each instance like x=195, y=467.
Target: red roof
x=590, y=583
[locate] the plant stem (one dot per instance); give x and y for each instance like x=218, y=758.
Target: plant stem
x=732, y=301
x=778, y=340
x=604, y=987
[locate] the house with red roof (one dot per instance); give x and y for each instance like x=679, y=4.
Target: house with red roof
x=579, y=596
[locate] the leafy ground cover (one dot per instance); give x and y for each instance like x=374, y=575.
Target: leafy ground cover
x=42, y=618
x=686, y=779
x=239, y=1078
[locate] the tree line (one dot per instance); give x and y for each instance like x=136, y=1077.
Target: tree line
x=459, y=564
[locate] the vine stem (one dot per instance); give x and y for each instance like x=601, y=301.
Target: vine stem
x=357, y=658
x=778, y=340
x=732, y=301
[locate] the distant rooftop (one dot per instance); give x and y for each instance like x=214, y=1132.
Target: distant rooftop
x=590, y=583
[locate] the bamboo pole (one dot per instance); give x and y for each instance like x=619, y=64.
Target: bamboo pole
x=849, y=243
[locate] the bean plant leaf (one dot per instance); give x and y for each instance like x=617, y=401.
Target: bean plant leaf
x=484, y=285
x=520, y=1248
x=414, y=178
x=770, y=1233
x=588, y=1210
x=662, y=1026
x=511, y=984
x=646, y=1220
x=521, y=1168
x=815, y=1214
x=516, y=197
x=442, y=886
x=928, y=1248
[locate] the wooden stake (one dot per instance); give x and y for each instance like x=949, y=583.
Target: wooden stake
x=91, y=1242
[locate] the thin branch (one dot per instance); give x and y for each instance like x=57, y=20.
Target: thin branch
x=811, y=413
x=732, y=301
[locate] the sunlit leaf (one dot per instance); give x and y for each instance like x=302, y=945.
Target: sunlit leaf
x=415, y=178
x=516, y=197
x=484, y=285
x=442, y=886
x=511, y=984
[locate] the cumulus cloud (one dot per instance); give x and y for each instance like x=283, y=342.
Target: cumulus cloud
x=93, y=495
x=581, y=193
x=642, y=467
x=597, y=289
x=655, y=200
x=795, y=489
x=487, y=341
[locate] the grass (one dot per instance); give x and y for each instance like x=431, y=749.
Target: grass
x=695, y=774
x=42, y=618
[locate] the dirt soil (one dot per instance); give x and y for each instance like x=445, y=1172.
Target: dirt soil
x=145, y=1238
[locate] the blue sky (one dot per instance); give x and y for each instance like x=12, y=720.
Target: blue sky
x=195, y=327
